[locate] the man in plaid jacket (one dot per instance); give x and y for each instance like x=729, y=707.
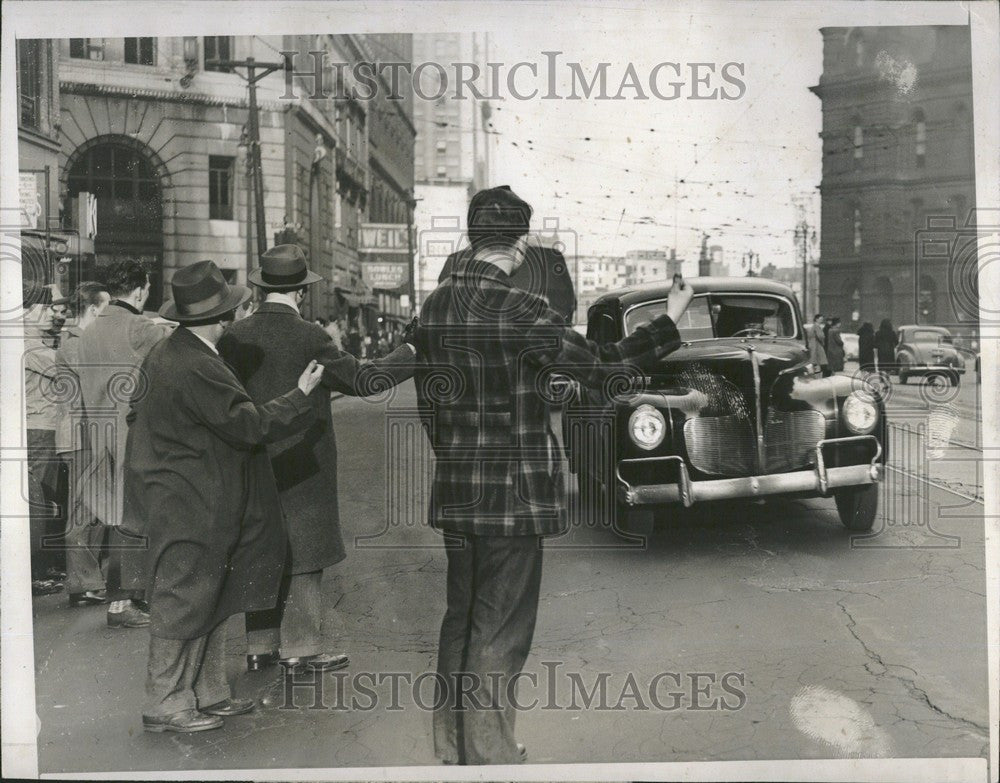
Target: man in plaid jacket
x=487, y=348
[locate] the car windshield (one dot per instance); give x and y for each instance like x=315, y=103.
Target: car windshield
x=724, y=315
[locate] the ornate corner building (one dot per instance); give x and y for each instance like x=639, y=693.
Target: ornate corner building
x=897, y=162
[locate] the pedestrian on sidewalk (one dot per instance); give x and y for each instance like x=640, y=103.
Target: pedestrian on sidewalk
x=267, y=351
x=110, y=353
x=205, y=500
x=497, y=476
x=835, y=346
x=885, y=345
x=866, y=347
x=817, y=353
x=84, y=536
x=41, y=415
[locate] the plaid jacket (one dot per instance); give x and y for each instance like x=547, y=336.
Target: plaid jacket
x=486, y=350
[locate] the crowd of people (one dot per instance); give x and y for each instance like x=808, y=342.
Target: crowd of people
x=876, y=350
x=200, y=466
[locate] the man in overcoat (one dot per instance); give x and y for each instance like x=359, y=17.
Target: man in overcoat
x=497, y=476
x=83, y=537
x=267, y=351
x=108, y=358
x=205, y=500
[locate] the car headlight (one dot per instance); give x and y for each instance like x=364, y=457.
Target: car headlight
x=647, y=427
x=860, y=412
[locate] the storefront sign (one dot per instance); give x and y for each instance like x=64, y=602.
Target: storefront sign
x=31, y=206
x=383, y=238
x=385, y=275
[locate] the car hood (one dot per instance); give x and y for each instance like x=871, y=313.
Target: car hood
x=724, y=370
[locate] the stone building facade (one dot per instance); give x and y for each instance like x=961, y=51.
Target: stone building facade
x=156, y=129
x=897, y=167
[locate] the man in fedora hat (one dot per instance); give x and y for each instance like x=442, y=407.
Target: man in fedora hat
x=265, y=350
x=205, y=500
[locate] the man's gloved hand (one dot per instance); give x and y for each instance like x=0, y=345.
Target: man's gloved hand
x=410, y=333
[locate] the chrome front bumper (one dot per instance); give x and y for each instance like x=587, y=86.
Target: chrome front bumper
x=820, y=479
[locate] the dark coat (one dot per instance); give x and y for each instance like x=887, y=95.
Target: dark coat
x=866, y=349
x=268, y=351
x=885, y=346
x=544, y=273
x=835, y=349
x=197, y=487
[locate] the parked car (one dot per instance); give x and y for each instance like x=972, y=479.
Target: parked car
x=736, y=412
x=928, y=351
x=850, y=346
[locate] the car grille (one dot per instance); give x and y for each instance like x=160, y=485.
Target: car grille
x=790, y=439
x=722, y=440
x=720, y=445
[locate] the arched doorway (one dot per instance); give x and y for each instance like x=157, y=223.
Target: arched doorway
x=129, y=205
x=882, y=299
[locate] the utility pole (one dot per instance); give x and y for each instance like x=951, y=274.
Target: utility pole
x=255, y=72
x=411, y=270
x=804, y=234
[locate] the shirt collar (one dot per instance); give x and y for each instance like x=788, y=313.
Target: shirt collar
x=209, y=343
x=126, y=305
x=277, y=297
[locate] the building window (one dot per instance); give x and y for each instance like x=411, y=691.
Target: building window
x=140, y=51
x=29, y=81
x=86, y=48
x=220, y=187
x=920, y=138
x=859, y=144
x=218, y=49
x=857, y=230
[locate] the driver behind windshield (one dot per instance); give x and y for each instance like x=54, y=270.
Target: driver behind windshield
x=733, y=320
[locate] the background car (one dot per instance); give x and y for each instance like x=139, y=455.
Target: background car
x=850, y=346
x=928, y=351
x=737, y=411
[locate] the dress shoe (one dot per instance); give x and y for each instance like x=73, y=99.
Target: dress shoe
x=258, y=661
x=45, y=587
x=321, y=662
x=522, y=752
x=88, y=598
x=130, y=617
x=230, y=707
x=184, y=722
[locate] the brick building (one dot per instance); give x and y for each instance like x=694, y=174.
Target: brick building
x=897, y=152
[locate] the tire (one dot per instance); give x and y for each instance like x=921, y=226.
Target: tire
x=857, y=506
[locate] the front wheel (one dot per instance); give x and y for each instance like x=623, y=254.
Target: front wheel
x=857, y=506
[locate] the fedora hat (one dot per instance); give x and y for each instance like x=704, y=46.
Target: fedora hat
x=201, y=293
x=283, y=268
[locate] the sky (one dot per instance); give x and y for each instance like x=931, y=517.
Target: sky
x=654, y=174
x=651, y=173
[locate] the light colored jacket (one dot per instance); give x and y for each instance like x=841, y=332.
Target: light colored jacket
x=108, y=359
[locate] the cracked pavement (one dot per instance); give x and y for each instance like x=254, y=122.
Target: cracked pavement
x=875, y=649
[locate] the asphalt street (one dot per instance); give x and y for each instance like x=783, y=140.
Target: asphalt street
x=743, y=631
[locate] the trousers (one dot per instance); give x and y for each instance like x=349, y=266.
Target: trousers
x=294, y=625
x=83, y=536
x=186, y=674
x=492, y=604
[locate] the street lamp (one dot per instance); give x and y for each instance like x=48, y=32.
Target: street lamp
x=751, y=261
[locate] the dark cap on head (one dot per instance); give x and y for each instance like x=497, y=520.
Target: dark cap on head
x=497, y=215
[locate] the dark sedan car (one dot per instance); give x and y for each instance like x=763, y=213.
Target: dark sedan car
x=928, y=351
x=736, y=412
